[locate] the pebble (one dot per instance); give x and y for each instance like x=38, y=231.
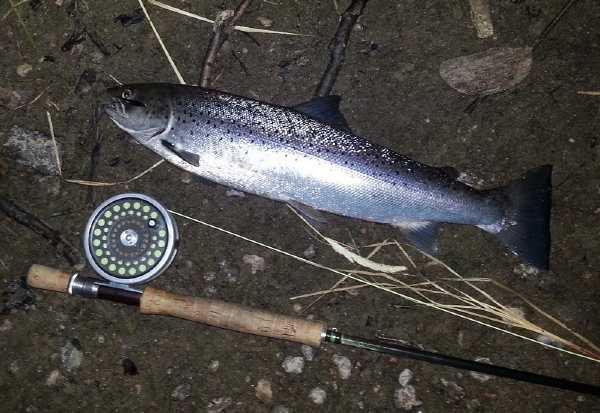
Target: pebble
x=129, y=367
x=317, y=395
x=405, y=377
x=55, y=379
x=264, y=391
x=524, y=270
x=280, y=409
x=265, y=22
x=229, y=270
x=480, y=376
x=344, y=366
x=71, y=354
x=310, y=252
x=406, y=398
x=255, y=262
x=14, y=368
x=181, y=392
x=214, y=365
x=6, y=326
x=219, y=404
x=308, y=352
x=23, y=69
x=293, y=364
x=32, y=149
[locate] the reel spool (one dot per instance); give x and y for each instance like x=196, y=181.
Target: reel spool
x=130, y=239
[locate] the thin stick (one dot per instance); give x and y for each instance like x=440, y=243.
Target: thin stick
x=18, y=214
x=337, y=47
x=95, y=155
x=221, y=32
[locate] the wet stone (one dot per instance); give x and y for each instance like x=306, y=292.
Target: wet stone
x=228, y=270
x=181, y=392
x=293, y=365
x=344, y=366
x=129, y=367
x=308, y=352
x=32, y=149
x=406, y=398
x=317, y=395
x=71, y=354
x=405, y=377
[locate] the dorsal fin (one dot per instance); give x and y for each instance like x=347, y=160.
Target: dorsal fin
x=326, y=109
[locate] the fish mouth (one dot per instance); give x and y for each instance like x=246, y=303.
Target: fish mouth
x=118, y=108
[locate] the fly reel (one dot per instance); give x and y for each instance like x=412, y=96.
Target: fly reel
x=130, y=239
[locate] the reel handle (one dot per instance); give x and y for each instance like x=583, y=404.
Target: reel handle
x=233, y=317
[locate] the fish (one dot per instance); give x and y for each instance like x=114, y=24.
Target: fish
x=307, y=156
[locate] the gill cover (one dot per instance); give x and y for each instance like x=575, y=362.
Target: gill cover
x=138, y=111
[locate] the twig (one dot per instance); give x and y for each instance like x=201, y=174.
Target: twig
x=221, y=31
x=95, y=156
x=13, y=211
x=552, y=23
x=337, y=47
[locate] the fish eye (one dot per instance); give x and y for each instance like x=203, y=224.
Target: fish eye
x=126, y=94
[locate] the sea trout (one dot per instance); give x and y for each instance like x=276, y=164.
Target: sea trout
x=306, y=156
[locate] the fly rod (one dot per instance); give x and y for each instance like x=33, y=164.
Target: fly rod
x=263, y=323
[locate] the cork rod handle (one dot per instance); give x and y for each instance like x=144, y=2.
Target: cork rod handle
x=232, y=317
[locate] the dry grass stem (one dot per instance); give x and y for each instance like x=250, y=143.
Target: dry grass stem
x=204, y=19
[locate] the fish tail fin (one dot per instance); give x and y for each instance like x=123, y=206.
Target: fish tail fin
x=525, y=228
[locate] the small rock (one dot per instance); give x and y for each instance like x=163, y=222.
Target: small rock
x=405, y=398
x=280, y=409
x=308, y=352
x=214, y=365
x=317, y=395
x=265, y=22
x=480, y=376
x=23, y=69
x=229, y=270
x=218, y=405
x=310, y=252
x=181, y=392
x=264, y=391
x=14, y=368
x=405, y=377
x=129, y=367
x=293, y=364
x=55, y=379
x=6, y=326
x=255, y=262
x=525, y=270
x=71, y=355
x=344, y=366
x=453, y=386
x=32, y=149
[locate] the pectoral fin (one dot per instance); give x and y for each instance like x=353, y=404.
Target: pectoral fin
x=189, y=157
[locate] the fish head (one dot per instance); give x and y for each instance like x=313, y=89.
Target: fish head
x=140, y=110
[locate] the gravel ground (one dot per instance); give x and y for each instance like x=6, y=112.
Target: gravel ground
x=62, y=353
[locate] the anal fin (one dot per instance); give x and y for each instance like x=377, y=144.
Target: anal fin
x=314, y=217
x=422, y=235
